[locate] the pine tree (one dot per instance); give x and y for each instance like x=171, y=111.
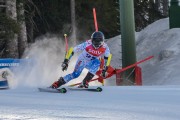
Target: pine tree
x=11, y=47
x=22, y=36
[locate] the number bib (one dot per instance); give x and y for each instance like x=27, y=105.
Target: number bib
x=92, y=53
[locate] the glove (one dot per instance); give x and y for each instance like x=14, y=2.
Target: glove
x=104, y=74
x=65, y=64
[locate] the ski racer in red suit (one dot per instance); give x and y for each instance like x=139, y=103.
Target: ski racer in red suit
x=92, y=50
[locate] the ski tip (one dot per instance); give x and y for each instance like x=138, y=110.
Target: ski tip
x=63, y=90
x=99, y=89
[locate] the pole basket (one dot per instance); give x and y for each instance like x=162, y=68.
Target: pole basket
x=138, y=76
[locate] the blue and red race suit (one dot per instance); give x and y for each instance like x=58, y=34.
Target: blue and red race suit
x=89, y=59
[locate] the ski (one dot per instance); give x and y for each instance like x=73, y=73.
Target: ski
x=53, y=90
x=94, y=89
x=64, y=89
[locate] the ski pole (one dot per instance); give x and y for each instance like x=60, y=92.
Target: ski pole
x=66, y=42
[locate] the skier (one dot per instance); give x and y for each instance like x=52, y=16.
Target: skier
x=91, y=50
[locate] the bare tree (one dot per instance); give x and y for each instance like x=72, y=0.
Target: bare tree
x=73, y=21
x=165, y=7
x=11, y=49
x=157, y=5
x=22, y=36
x=162, y=7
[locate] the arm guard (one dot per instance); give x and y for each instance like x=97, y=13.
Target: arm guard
x=107, y=60
x=69, y=54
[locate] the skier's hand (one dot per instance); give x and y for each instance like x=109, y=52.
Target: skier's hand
x=104, y=72
x=65, y=64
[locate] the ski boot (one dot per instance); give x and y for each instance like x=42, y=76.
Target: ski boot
x=86, y=80
x=84, y=84
x=58, y=83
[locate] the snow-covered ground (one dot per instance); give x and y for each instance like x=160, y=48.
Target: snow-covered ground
x=161, y=42
x=114, y=103
x=157, y=99
x=164, y=44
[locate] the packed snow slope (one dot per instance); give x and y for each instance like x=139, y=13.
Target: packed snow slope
x=164, y=44
x=161, y=42
x=113, y=103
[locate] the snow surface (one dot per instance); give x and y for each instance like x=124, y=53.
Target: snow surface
x=161, y=42
x=157, y=99
x=114, y=103
x=164, y=44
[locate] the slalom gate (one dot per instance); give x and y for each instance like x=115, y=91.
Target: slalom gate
x=118, y=72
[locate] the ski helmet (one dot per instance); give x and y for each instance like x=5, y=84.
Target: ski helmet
x=97, y=39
